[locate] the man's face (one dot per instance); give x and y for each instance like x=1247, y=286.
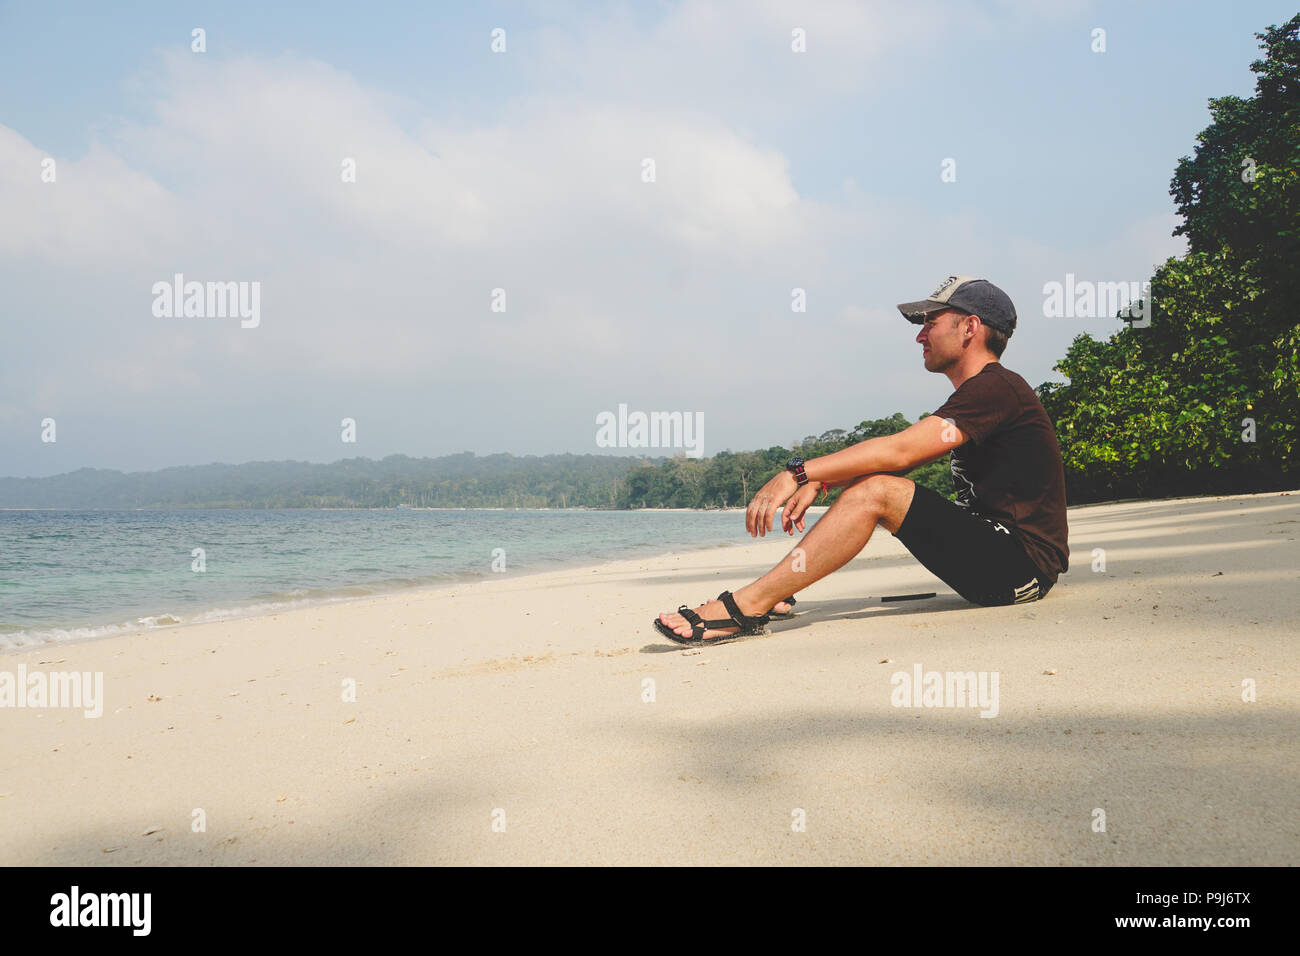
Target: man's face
x=941, y=338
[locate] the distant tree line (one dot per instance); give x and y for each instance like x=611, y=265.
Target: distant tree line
x=729, y=479
x=452, y=481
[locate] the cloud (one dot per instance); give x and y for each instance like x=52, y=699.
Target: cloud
x=673, y=294
x=549, y=203
x=736, y=55
x=96, y=212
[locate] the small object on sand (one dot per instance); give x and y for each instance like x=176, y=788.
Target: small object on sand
x=906, y=597
x=1050, y=673
x=153, y=698
x=886, y=660
x=151, y=831
x=114, y=849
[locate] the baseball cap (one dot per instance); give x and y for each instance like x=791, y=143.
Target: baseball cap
x=968, y=294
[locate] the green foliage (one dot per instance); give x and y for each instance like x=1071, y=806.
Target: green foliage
x=729, y=479
x=1163, y=410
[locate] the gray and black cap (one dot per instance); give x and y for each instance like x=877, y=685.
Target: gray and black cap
x=967, y=294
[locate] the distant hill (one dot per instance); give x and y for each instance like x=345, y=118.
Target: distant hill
x=453, y=481
x=728, y=479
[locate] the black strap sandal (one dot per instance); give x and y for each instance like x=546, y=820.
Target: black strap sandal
x=784, y=615
x=748, y=625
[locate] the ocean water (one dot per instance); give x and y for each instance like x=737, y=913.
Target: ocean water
x=75, y=575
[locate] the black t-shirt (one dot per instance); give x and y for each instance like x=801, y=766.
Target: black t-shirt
x=1011, y=469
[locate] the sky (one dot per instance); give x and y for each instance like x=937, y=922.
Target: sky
x=461, y=248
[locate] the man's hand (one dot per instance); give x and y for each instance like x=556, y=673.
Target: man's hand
x=759, y=514
x=792, y=514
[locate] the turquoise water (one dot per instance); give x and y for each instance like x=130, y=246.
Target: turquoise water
x=73, y=575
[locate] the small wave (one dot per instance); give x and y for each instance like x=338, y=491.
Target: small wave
x=23, y=640
x=276, y=604
x=161, y=620
x=42, y=637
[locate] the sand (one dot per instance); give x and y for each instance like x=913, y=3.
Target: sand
x=509, y=721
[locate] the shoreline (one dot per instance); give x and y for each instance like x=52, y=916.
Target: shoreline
x=234, y=611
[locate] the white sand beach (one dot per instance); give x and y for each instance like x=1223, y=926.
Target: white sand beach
x=521, y=701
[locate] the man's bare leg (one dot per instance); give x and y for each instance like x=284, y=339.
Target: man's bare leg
x=834, y=540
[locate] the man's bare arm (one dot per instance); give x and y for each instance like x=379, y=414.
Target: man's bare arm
x=926, y=441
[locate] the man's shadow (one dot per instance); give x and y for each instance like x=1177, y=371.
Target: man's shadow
x=842, y=609
x=857, y=609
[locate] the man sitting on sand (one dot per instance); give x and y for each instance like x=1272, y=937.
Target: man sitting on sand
x=1002, y=542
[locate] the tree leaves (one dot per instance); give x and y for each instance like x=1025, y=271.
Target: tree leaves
x=1164, y=409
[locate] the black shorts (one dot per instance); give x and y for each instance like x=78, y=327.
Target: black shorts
x=973, y=554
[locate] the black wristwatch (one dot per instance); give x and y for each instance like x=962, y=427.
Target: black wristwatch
x=795, y=465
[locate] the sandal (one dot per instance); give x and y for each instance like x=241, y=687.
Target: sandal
x=784, y=615
x=748, y=625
